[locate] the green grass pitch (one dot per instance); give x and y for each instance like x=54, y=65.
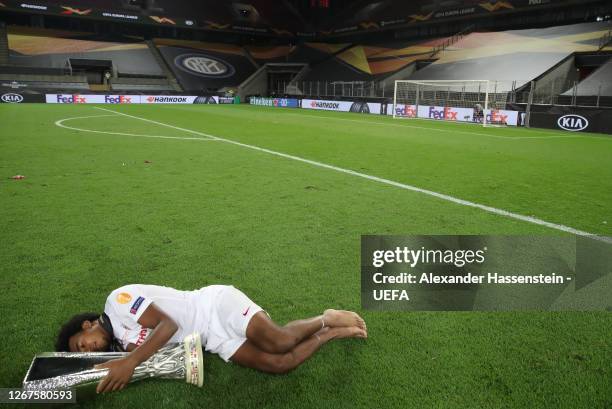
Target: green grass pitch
x=91, y=215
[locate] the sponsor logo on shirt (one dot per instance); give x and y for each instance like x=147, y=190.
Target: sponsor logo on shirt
x=136, y=305
x=142, y=335
x=124, y=298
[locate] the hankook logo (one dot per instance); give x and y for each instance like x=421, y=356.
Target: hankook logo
x=204, y=65
x=572, y=122
x=325, y=104
x=11, y=98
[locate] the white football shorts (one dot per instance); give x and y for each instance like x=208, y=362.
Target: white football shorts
x=231, y=313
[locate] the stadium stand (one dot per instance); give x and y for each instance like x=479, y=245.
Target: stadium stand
x=206, y=67
x=33, y=49
x=172, y=81
x=598, y=83
x=346, y=63
x=4, y=53
x=353, y=69
x=595, y=89
x=481, y=56
x=51, y=82
x=551, y=67
x=270, y=54
x=315, y=52
x=140, y=84
x=50, y=59
x=273, y=79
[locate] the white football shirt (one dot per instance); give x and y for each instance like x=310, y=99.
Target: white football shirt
x=191, y=310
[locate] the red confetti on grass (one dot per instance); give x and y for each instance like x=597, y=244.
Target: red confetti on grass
x=18, y=177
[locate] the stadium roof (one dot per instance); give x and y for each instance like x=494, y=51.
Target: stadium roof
x=320, y=19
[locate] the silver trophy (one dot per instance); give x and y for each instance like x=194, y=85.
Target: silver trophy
x=65, y=370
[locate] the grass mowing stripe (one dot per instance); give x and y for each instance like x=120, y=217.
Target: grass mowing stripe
x=446, y=130
x=288, y=234
x=494, y=210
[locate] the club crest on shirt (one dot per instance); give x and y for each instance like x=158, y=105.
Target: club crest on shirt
x=124, y=298
x=136, y=305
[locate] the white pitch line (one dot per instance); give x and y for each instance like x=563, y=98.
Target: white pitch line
x=442, y=196
x=60, y=123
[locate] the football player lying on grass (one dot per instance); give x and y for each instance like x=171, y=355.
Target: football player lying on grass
x=141, y=319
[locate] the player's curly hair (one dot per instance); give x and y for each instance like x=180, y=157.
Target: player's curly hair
x=71, y=327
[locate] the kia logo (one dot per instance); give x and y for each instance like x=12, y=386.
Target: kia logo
x=203, y=65
x=11, y=98
x=572, y=122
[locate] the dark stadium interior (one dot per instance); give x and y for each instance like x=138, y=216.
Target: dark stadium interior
x=319, y=48
x=314, y=154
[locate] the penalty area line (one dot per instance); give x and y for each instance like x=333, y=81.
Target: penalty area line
x=442, y=196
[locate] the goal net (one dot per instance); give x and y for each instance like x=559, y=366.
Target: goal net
x=472, y=101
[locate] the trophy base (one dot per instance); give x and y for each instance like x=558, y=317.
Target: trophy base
x=194, y=364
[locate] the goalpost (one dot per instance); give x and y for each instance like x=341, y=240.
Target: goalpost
x=471, y=101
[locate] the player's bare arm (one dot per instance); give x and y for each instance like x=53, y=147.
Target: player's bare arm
x=121, y=370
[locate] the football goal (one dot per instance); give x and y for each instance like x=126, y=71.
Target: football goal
x=472, y=101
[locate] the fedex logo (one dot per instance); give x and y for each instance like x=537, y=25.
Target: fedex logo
x=408, y=111
x=497, y=117
x=71, y=99
x=117, y=99
x=445, y=113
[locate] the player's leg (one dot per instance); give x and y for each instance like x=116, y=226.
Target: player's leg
x=243, y=318
x=251, y=356
x=334, y=318
x=272, y=338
